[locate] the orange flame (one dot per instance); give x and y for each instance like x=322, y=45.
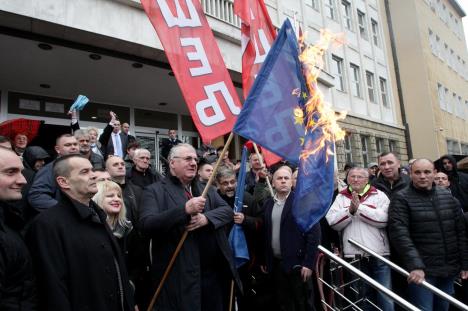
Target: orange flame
x=312, y=58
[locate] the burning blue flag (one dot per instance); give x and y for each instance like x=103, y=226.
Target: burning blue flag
x=237, y=237
x=267, y=116
x=274, y=116
x=314, y=186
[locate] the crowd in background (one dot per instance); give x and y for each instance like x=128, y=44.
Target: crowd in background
x=94, y=227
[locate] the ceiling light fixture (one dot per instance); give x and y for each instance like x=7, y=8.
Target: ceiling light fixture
x=45, y=46
x=162, y=104
x=95, y=56
x=45, y=85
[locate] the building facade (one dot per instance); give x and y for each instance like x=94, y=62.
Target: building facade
x=107, y=50
x=432, y=60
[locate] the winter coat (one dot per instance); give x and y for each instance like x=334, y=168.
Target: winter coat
x=44, y=193
x=383, y=185
x=297, y=248
x=427, y=230
x=458, y=182
x=17, y=286
x=77, y=260
x=141, y=179
x=368, y=224
x=163, y=218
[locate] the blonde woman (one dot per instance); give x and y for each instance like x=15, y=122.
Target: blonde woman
x=109, y=198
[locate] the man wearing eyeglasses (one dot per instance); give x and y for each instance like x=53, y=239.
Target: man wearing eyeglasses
x=200, y=278
x=360, y=212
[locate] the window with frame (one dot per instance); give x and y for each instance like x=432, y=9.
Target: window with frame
x=313, y=4
x=370, y=86
x=460, y=108
x=392, y=146
x=432, y=42
x=330, y=9
x=384, y=92
x=347, y=16
x=375, y=32
x=441, y=95
x=348, y=150
x=379, y=145
x=362, y=25
x=365, y=150
x=337, y=70
x=355, y=80
x=453, y=147
x=464, y=149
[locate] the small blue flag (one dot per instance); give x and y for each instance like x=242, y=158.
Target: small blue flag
x=267, y=116
x=79, y=103
x=236, y=236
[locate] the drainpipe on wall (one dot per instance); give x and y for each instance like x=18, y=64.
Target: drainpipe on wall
x=398, y=80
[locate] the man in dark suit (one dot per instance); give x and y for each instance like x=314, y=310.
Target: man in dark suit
x=76, y=257
x=113, y=140
x=166, y=146
x=201, y=275
x=290, y=254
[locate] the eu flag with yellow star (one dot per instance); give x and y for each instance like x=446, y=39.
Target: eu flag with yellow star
x=273, y=117
x=272, y=113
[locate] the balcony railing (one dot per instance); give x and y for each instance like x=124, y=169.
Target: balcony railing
x=221, y=9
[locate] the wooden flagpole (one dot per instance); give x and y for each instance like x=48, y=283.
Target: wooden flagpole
x=184, y=236
x=263, y=165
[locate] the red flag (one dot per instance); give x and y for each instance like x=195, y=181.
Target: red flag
x=258, y=34
x=197, y=64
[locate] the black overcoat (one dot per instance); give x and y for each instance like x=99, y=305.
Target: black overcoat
x=163, y=218
x=76, y=257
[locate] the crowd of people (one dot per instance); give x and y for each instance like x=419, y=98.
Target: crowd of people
x=96, y=227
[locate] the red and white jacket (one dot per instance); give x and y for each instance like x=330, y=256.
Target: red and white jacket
x=366, y=226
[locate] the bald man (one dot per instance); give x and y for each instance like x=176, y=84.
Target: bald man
x=427, y=229
x=290, y=253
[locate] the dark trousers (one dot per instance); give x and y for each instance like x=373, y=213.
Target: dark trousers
x=291, y=293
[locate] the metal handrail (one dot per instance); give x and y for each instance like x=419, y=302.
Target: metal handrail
x=402, y=302
x=402, y=271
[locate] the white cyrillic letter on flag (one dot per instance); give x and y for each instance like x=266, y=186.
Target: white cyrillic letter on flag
x=198, y=55
x=212, y=102
x=180, y=20
x=260, y=58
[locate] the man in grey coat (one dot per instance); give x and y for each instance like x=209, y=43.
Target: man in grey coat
x=203, y=269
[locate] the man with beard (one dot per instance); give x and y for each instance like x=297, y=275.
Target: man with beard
x=251, y=221
x=77, y=259
x=82, y=136
x=204, y=268
x=458, y=180
x=17, y=288
x=44, y=192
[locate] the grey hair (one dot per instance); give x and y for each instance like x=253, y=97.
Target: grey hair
x=361, y=169
x=80, y=133
x=175, y=150
x=224, y=172
x=139, y=151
